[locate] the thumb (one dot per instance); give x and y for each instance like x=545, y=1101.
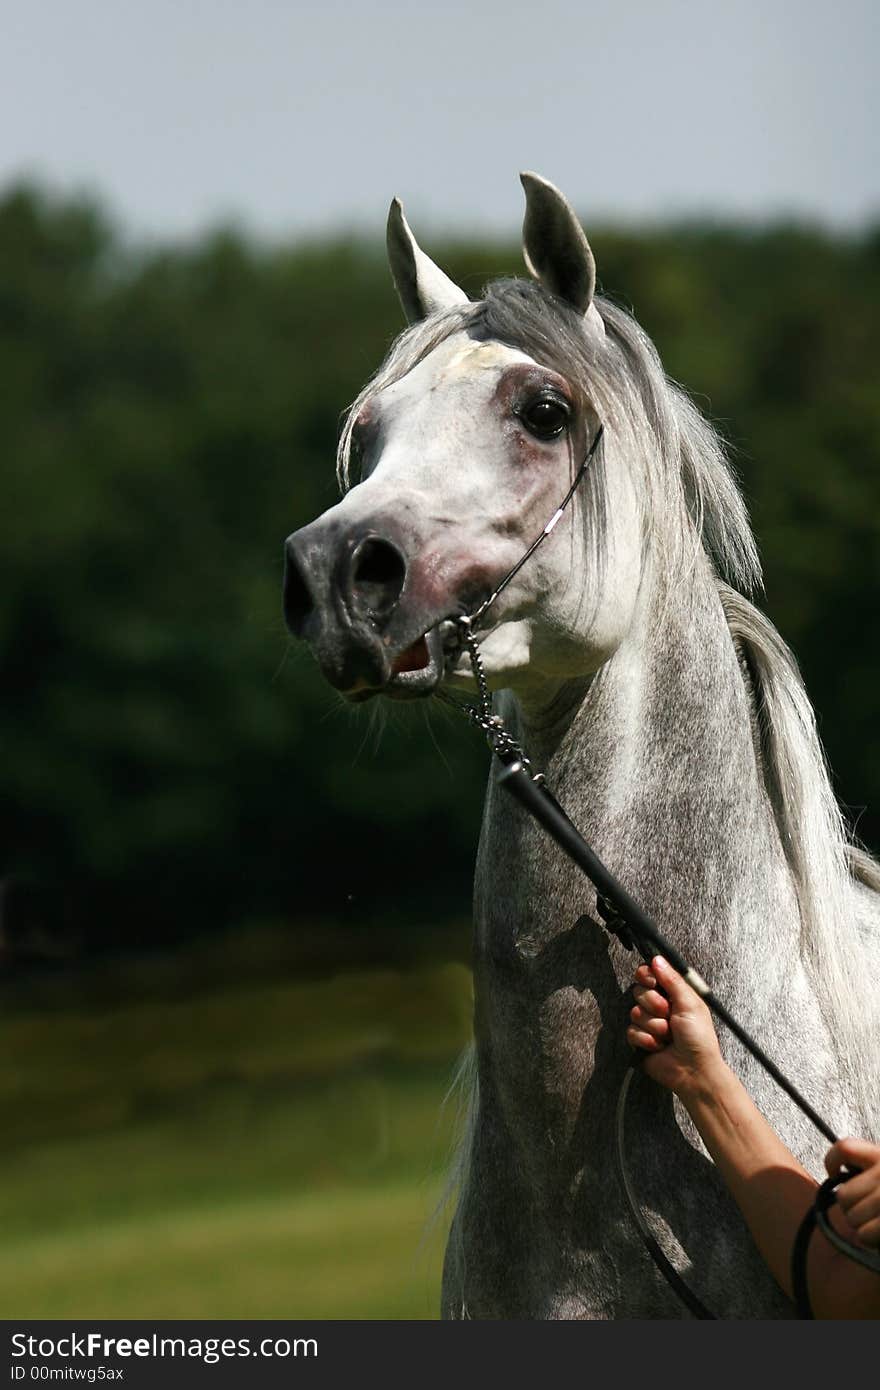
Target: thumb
x=677, y=990
x=849, y=1153
x=835, y=1159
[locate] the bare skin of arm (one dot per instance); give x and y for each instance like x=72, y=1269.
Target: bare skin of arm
x=773, y=1191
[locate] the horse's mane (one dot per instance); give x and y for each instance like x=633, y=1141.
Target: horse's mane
x=694, y=504
x=825, y=865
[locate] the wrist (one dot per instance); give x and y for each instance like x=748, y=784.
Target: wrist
x=704, y=1083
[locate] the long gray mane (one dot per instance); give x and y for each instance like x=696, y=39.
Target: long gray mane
x=693, y=503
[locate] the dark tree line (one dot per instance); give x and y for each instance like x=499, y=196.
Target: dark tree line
x=169, y=761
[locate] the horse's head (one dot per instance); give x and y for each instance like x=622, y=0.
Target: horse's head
x=454, y=458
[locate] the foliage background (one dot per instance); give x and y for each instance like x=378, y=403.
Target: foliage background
x=231, y=911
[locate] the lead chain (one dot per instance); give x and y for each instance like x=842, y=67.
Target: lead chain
x=499, y=738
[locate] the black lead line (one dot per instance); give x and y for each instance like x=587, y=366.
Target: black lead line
x=544, y=808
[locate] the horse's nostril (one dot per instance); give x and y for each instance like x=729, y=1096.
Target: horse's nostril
x=297, y=599
x=378, y=573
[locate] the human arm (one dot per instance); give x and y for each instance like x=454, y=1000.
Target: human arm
x=772, y=1189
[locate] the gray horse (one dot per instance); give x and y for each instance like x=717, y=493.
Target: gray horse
x=670, y=721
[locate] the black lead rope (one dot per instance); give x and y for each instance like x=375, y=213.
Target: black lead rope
x=543, y=806
x=818, y=1216
x=653, y=1246
x=624, y=916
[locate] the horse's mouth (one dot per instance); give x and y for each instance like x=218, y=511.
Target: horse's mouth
x=415, y=658
x=418, y=670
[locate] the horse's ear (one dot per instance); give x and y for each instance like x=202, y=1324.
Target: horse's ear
x=422, y=286
x=555, y=249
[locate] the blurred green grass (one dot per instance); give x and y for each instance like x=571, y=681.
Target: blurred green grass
x=207, y=1133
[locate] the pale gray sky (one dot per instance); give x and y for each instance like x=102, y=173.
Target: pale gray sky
x=297, y=117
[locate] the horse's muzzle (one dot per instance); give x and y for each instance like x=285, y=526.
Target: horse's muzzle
x=346, y=595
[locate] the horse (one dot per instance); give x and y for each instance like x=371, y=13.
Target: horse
x=669, y=718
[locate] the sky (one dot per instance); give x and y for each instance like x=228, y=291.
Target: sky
x=292, y=118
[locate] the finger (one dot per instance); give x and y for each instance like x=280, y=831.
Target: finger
x=856, y=1188
x=856, y=1153
x=637, y=1038
x=643, y=976
x=864, y=1210
x=652, y=1002
x=669, y=980
x=834, y=1160
x=869, y=1234
x=657, y=1027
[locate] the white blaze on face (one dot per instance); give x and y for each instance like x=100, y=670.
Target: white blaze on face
x=454, y=463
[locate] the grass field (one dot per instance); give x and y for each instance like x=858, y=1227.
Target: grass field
x=210, y=1134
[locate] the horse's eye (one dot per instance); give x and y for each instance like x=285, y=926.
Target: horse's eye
x=545, y=418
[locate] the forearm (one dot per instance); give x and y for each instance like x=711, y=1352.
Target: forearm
x=774, y=1191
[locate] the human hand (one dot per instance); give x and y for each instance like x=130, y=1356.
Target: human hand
x=858, y=1197
x=675, y=1032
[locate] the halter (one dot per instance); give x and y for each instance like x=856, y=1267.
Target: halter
x=501, y=741
x=625, y=918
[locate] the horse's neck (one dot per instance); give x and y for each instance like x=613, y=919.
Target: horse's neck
x=656, y=763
